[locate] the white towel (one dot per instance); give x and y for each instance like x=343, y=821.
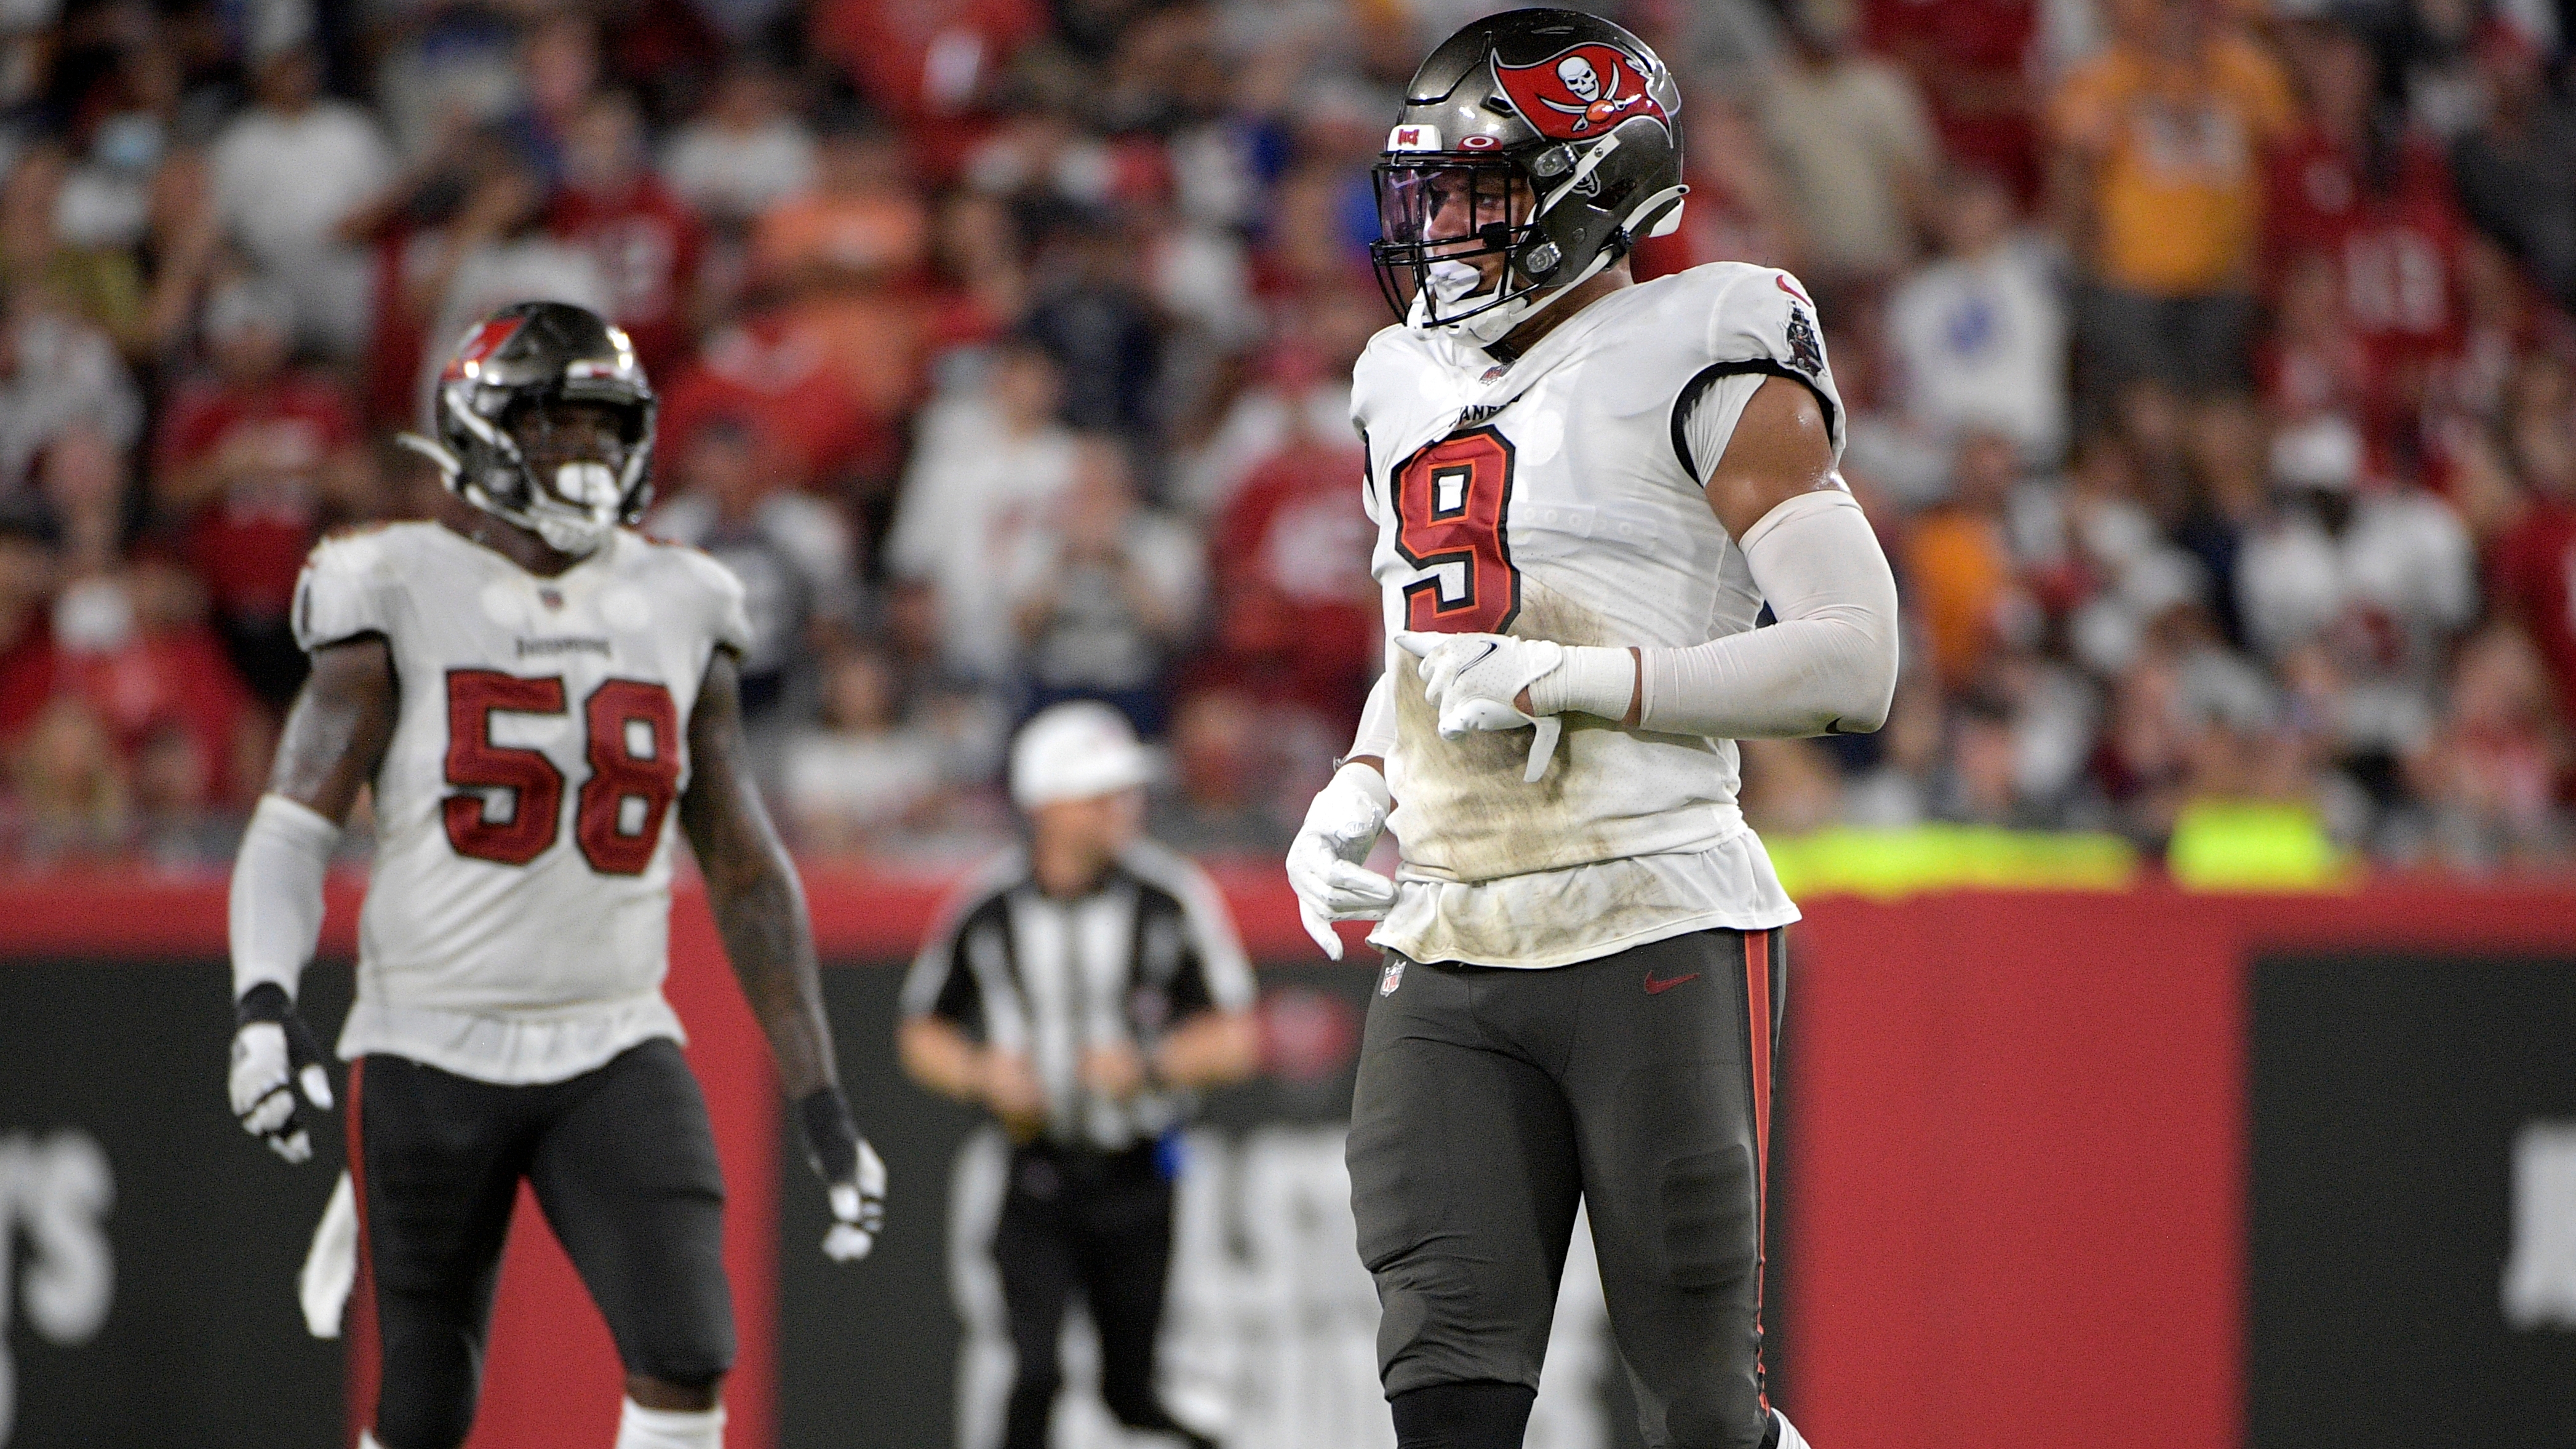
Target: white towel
x=331, y=1268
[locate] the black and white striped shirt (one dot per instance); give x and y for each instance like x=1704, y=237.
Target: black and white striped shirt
x=1149, y=946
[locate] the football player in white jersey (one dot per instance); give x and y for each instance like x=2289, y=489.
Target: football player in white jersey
x=1586, y=489
x=534, y=692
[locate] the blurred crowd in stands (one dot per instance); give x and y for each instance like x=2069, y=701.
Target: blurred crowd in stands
x=2209, y=367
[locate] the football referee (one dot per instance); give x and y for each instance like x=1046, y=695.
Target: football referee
x=1080, y=987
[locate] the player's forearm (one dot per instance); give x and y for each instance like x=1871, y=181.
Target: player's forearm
x=1827, y=666
x=752, y=888
x=760, y=914
x=1825, y=675
x=1210, y=1050
x=335, y=736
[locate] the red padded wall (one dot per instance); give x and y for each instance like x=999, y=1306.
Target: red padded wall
x=2016, y=1174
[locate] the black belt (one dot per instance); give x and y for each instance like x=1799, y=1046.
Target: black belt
x=1079, y=1166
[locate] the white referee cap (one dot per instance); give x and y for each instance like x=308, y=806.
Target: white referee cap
x=1076, y=751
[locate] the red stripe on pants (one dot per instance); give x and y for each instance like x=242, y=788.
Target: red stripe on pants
x=1757, y=1010
x=359, y=1317
x=1757, y=998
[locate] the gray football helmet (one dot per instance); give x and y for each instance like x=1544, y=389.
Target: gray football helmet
x=494, y=386
x=1549, y=138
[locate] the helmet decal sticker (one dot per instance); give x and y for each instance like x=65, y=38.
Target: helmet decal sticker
x=1580, y=92
x=486, y=339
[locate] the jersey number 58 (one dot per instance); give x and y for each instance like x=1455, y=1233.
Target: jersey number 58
x=1450, y=503
x=633, y=740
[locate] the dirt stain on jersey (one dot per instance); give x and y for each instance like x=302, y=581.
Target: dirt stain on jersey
x=1473, y=816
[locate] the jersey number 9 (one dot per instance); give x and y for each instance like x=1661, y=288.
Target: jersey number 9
x=632, y=730
x=1450, y=502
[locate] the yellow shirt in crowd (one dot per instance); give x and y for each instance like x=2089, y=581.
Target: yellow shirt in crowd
x=2178, y=153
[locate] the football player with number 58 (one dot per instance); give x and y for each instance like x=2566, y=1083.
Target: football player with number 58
x=1586, y=489
x=534, y=692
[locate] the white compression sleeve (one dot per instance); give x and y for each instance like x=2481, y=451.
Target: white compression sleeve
x=1376, y=736
x=276, y=914
x=1827, y=666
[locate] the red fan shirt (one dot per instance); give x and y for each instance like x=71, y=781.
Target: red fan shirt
x=248, y=544
x=2396, y=249
x=648, y=244
x=1971, y=58
x=2532, y=578
x=1300, y=612
x=782, y=379
x=27, y=669
x=177, y=678
x=926, y=62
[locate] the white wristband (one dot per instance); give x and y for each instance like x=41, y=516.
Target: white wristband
x=1588, y=680
x=1368, y=782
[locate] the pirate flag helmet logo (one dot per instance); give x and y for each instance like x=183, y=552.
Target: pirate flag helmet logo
x=1578, y=93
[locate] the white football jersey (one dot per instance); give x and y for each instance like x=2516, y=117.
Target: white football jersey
x=1554, y=498
x=516, y=925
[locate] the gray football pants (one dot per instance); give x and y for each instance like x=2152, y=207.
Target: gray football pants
x=1491, y=1101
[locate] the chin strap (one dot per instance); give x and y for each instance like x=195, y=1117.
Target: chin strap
x=429, y=448
x=570, y=535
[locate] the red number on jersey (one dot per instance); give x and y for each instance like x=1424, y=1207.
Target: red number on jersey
x=476, y=764
x=634, y=773
x=1450, y=499
x=634, y=737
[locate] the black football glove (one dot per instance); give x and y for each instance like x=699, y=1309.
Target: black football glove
x=277, y=1071
x=852, y=1173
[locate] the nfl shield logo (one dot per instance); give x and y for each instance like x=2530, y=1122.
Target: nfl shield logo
x=1394, y=978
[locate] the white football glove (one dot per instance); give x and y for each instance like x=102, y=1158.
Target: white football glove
x=858, y=1210
x=854, y=1177
x=277, y=1072
x=1325, y=862
x=1472, y=679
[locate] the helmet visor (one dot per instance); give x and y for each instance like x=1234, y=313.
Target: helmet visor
x=1478, y=202
x=1467, y=214
x=552, y=431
